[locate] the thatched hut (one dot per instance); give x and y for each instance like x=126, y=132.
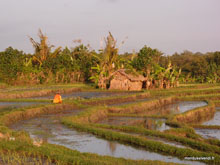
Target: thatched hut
x=123, y=81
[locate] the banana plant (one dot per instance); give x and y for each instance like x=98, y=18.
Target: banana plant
x=43, y=49
x=27, y=62
x=108, y=61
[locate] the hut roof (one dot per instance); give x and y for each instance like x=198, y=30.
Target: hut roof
x=130, y=76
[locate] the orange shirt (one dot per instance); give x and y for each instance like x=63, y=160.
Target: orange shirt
x=57, y=99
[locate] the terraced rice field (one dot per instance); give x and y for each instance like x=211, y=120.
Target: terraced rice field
x=102, y=127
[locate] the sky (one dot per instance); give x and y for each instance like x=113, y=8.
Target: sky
x=168, y=25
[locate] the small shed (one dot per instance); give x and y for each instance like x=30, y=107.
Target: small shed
x=120, y=80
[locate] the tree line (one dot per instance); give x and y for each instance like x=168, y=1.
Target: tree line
x=83, y=64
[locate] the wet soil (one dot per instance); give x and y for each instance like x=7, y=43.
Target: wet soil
x=211, y=133
x=154, y=123
x=208, y=133
x=49, y=128
x=215, y=120
x=87, y=95
x=176, y=108
x=147, y=122
x=7, y=106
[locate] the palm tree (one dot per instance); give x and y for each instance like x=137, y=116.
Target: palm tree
x=108, y=61
x=43, y=49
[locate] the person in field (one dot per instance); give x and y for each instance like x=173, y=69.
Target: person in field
x=57, y=98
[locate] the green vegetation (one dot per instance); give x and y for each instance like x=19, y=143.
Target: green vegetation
x=65, y=70
x=137, y=135
x=83, y=64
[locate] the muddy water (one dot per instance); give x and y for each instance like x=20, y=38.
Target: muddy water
x=178, y=107
x=88, y=95
x=215, y=120
x=4, y=106
x=149, y=123
x=131, y=102
x=208, y=133
x=211, y=133
x=154, y=123
x=176, y=144
x=49, y=129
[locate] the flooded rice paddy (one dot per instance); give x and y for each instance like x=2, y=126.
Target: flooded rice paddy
x=131, y=102
x=215, y=120
x=154, y=123
x=147, y=122
x=5, y=106
x=211, y=133
x=49, y=128
x=208, y=133
x=88, y=95
x=176, y=108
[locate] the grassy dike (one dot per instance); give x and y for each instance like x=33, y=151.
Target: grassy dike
x=196, y=115
x=23, y=147
x=186, y=91
x=83, y=122
x=143, y=106
x=86, y=120
x=36, y=93
x=197, y=144
x=116, y=99
x=28, y=113
x=56, y=154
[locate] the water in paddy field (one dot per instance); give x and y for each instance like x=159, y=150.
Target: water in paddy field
x=215, y=120
x=175, y=108
x=183, y=106
x=131, y=102
x=88, y=95
x=49, y=128
x=208, y=133
x=211, y=133
x=5, y=106
x=147, y=122
x=154, y=123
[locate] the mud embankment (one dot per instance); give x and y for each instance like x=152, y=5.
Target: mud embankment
x=16, y=116
x=28, y=94
x=117, y=99
x=196, y=115
x=143, y=106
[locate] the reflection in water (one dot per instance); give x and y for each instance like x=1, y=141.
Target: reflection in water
x=208, y=133
x=215, y=120
x=211, y=133
x=156, y=124
x=147, y=122
x=49, y=128
x=175, y=108
x=8, y=106
x=115, y=120
x=112, y=146
x=88, y=95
